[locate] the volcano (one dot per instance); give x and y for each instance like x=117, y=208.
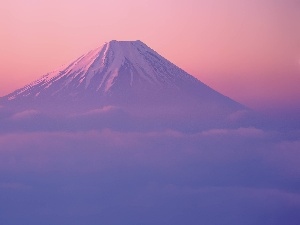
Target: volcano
x=125, y=74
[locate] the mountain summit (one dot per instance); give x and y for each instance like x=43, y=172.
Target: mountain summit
x=121, y=73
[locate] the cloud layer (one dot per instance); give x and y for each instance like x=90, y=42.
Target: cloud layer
x=234, y=176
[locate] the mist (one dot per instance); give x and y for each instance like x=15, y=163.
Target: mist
x=107, y=167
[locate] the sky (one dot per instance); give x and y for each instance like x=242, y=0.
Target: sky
x=247, y=50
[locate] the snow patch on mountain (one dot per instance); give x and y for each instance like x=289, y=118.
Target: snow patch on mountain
x=125, y=74
x=102, y=68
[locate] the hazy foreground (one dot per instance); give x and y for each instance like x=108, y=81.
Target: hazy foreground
x=95, y=172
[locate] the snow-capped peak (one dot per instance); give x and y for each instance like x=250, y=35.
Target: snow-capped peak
x=107, y=59
x=126, y=64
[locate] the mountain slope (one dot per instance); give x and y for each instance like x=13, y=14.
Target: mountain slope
x=121, y=73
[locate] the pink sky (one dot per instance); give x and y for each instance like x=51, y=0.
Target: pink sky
x=247, y=50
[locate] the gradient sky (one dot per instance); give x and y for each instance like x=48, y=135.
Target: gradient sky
x=247, y=50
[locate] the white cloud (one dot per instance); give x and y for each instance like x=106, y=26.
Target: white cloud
x=25, y=114
x=243, y=132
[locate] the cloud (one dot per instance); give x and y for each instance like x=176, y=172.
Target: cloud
x=286, y=158
x=249, y=149
x=238, y=115
x=28, y=114
x=103, y=110
x=92, y=166
x=242, y=132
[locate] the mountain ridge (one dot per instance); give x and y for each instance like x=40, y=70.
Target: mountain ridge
x=121, y=73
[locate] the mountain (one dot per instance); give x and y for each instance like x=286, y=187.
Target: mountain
x=126, y=74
